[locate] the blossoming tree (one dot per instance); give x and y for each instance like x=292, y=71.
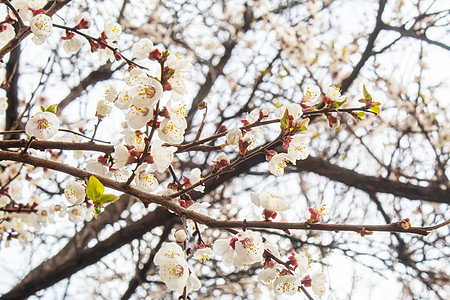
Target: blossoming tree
x=198, y=149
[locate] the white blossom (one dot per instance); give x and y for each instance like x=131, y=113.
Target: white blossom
x=138, y=117
x=145, y=180
x=194, y=177
x=75, y=193
x=203, y=254
x=15, y=188
x=36, y=4
x=123, y=100
x=111, y=93
x=138, y=142
x=121, y=156
x=253, y=116
x=174, y=272
x=334, y=94
x=4, y=200
x=174, y=61
x=300, y=262
x=222, y=247
x=294, y=110
x=104, y=108
x=142, y=48
x=95, y=167
x=168, y=250
x=233, y=136
x=134, y=75
x=249, y=247
x=181, y=235
x=23, y=8
x=112, y=30
x=146, y=93
x=312, y=95
x=7, y=32
x=177, y=83
x=267, y=276
x=270, y=202
x=277, y=164
x=177, y=114
x=43, y=125
x=298, y=148
x=170, y=133
x=318, y=282
x=286, y=284
x=220, y=157
x=106, y=54
x=118, y=174
x=162, y=156
x=77, y=213
x=173, y=267
x=72, y=45
x=193, y=284
x=41, y=26
x=3, y=104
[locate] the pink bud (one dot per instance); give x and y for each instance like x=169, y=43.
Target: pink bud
x=306, y=281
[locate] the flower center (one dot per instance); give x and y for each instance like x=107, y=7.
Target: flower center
x=150, y=91
x=43, y=124
x=176, y=271
x=249, y=243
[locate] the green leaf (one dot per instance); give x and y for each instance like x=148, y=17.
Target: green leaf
x=94, y=188
x=360, y=115
x=52, y=108
x=97, y=210
x=42, y=108
x=285, y=120
x=375, y=109
x=339, y=104
x=367, y=96
x=107, y=198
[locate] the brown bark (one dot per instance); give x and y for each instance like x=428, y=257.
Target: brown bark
x=72, y=259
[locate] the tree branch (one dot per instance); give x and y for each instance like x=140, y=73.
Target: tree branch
x=62, y=265
x=347, y=82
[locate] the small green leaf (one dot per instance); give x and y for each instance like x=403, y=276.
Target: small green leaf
x=42, y=108
x=302, y=128
x=285, y=120
x=277, y=105
x=97, y=210
x=94, y=188
x=360, y=115
x=341, y=103
x=367, y=96
x=52, y=108
x=375, y=109
x=301, y=125
x=107, y=198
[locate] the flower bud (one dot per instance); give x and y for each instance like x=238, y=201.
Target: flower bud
x=104, y=108
x=181, y=236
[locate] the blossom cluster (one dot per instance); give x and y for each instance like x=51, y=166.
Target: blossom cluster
x=155, y=118
x=174, y=270
x=248, y=248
